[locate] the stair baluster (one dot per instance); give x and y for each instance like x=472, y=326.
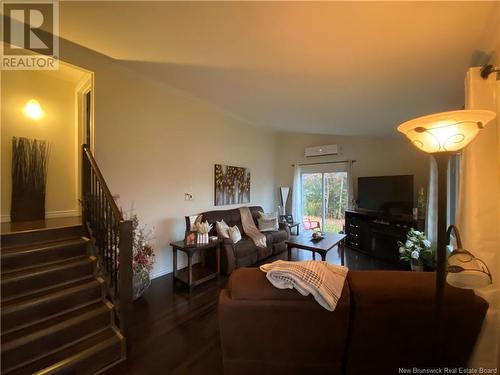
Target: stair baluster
x=113, y=238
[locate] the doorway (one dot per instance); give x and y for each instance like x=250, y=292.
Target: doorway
x=85, y=113
x=324, y=199
x=85, y=121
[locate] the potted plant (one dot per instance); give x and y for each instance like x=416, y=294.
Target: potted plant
x=143, y=257
x=416, y=250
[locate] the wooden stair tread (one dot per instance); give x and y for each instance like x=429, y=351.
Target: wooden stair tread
x=74, y=318
x=46, y=268
x=51, y=292
x=27, y=312
x=74, y=353
x=33, y=269
x=32, y=300
x=16, y=250
x=39, y=235
x=38, y=327
x=37, y=225
x=55, y=317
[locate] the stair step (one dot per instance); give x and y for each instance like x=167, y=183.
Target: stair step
x=41, y=339
x=28, y=281
x=86, y=356
x=24, y=257
x=41, y=235
x=27, y=310
x=51, y=321
x=54, y=315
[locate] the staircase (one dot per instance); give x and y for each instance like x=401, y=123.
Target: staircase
x=55, y=317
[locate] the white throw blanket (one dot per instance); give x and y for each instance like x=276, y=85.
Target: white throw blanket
x=323, y=280
x=250, y=229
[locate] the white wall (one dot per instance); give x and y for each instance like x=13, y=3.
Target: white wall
x=374, y=156
x=154, y=143
x=57, y=98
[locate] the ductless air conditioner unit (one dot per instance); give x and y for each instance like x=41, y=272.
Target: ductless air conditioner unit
x=322, y=150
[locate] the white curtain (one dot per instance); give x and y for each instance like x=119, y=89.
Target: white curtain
x=478, y=216
x=431, y=219
x=350, y=186
x=297, y=194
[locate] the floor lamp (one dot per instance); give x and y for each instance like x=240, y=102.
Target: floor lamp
x=443, y=135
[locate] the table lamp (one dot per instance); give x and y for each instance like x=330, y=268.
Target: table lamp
x=443, y=135
x=284, y=197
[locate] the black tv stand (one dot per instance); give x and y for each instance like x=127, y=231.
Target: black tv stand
x=376, y=234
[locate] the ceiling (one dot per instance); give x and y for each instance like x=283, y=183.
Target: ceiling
x=347, y=68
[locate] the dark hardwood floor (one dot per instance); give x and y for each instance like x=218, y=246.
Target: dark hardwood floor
x=177, y=333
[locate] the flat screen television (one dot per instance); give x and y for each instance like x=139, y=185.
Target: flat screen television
x=391, y=195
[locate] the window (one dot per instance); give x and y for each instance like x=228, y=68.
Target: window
x=324, y=197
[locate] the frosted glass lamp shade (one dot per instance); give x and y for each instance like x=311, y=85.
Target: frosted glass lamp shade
x=284, y=196
x=466, y=271
x=446, y=131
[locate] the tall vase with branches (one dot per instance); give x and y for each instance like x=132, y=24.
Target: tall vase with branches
x=29, y=178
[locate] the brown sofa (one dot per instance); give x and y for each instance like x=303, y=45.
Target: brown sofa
x=244, y=253
x=383, y=322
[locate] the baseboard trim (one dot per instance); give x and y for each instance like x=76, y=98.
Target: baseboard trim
x=160, y=273
x=67, y=213
x=48, y=215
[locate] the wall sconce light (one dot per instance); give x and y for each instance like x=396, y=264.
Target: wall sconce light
x=33, y=110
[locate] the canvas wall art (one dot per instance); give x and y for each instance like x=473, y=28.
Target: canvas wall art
x=232, y=185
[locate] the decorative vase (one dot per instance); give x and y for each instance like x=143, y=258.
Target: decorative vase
x=202, y=238
x=141, y=282
x=417, y=267
x=29, y=179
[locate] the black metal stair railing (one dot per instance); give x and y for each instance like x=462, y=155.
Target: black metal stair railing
x=113, y=239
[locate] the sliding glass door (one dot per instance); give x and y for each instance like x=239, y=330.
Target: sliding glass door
x=324, y=200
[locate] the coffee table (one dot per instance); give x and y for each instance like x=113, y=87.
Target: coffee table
x=304, y=241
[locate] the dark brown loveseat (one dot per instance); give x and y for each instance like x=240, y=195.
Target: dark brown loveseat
x=383, y=322
x=244, y=253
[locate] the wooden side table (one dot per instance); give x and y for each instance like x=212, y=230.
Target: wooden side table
x=292, y=225
x=195, y=274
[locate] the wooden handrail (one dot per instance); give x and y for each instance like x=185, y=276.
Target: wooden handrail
x=113, y=240
x=97, y=171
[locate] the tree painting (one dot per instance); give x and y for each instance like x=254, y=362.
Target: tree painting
x=232, y=185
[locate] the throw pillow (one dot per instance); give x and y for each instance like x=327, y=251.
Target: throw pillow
x=194, y=220
x=268, y=221
x=234, y=233
x=222, y=229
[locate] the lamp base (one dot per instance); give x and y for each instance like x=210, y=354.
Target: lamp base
x=442, y=160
